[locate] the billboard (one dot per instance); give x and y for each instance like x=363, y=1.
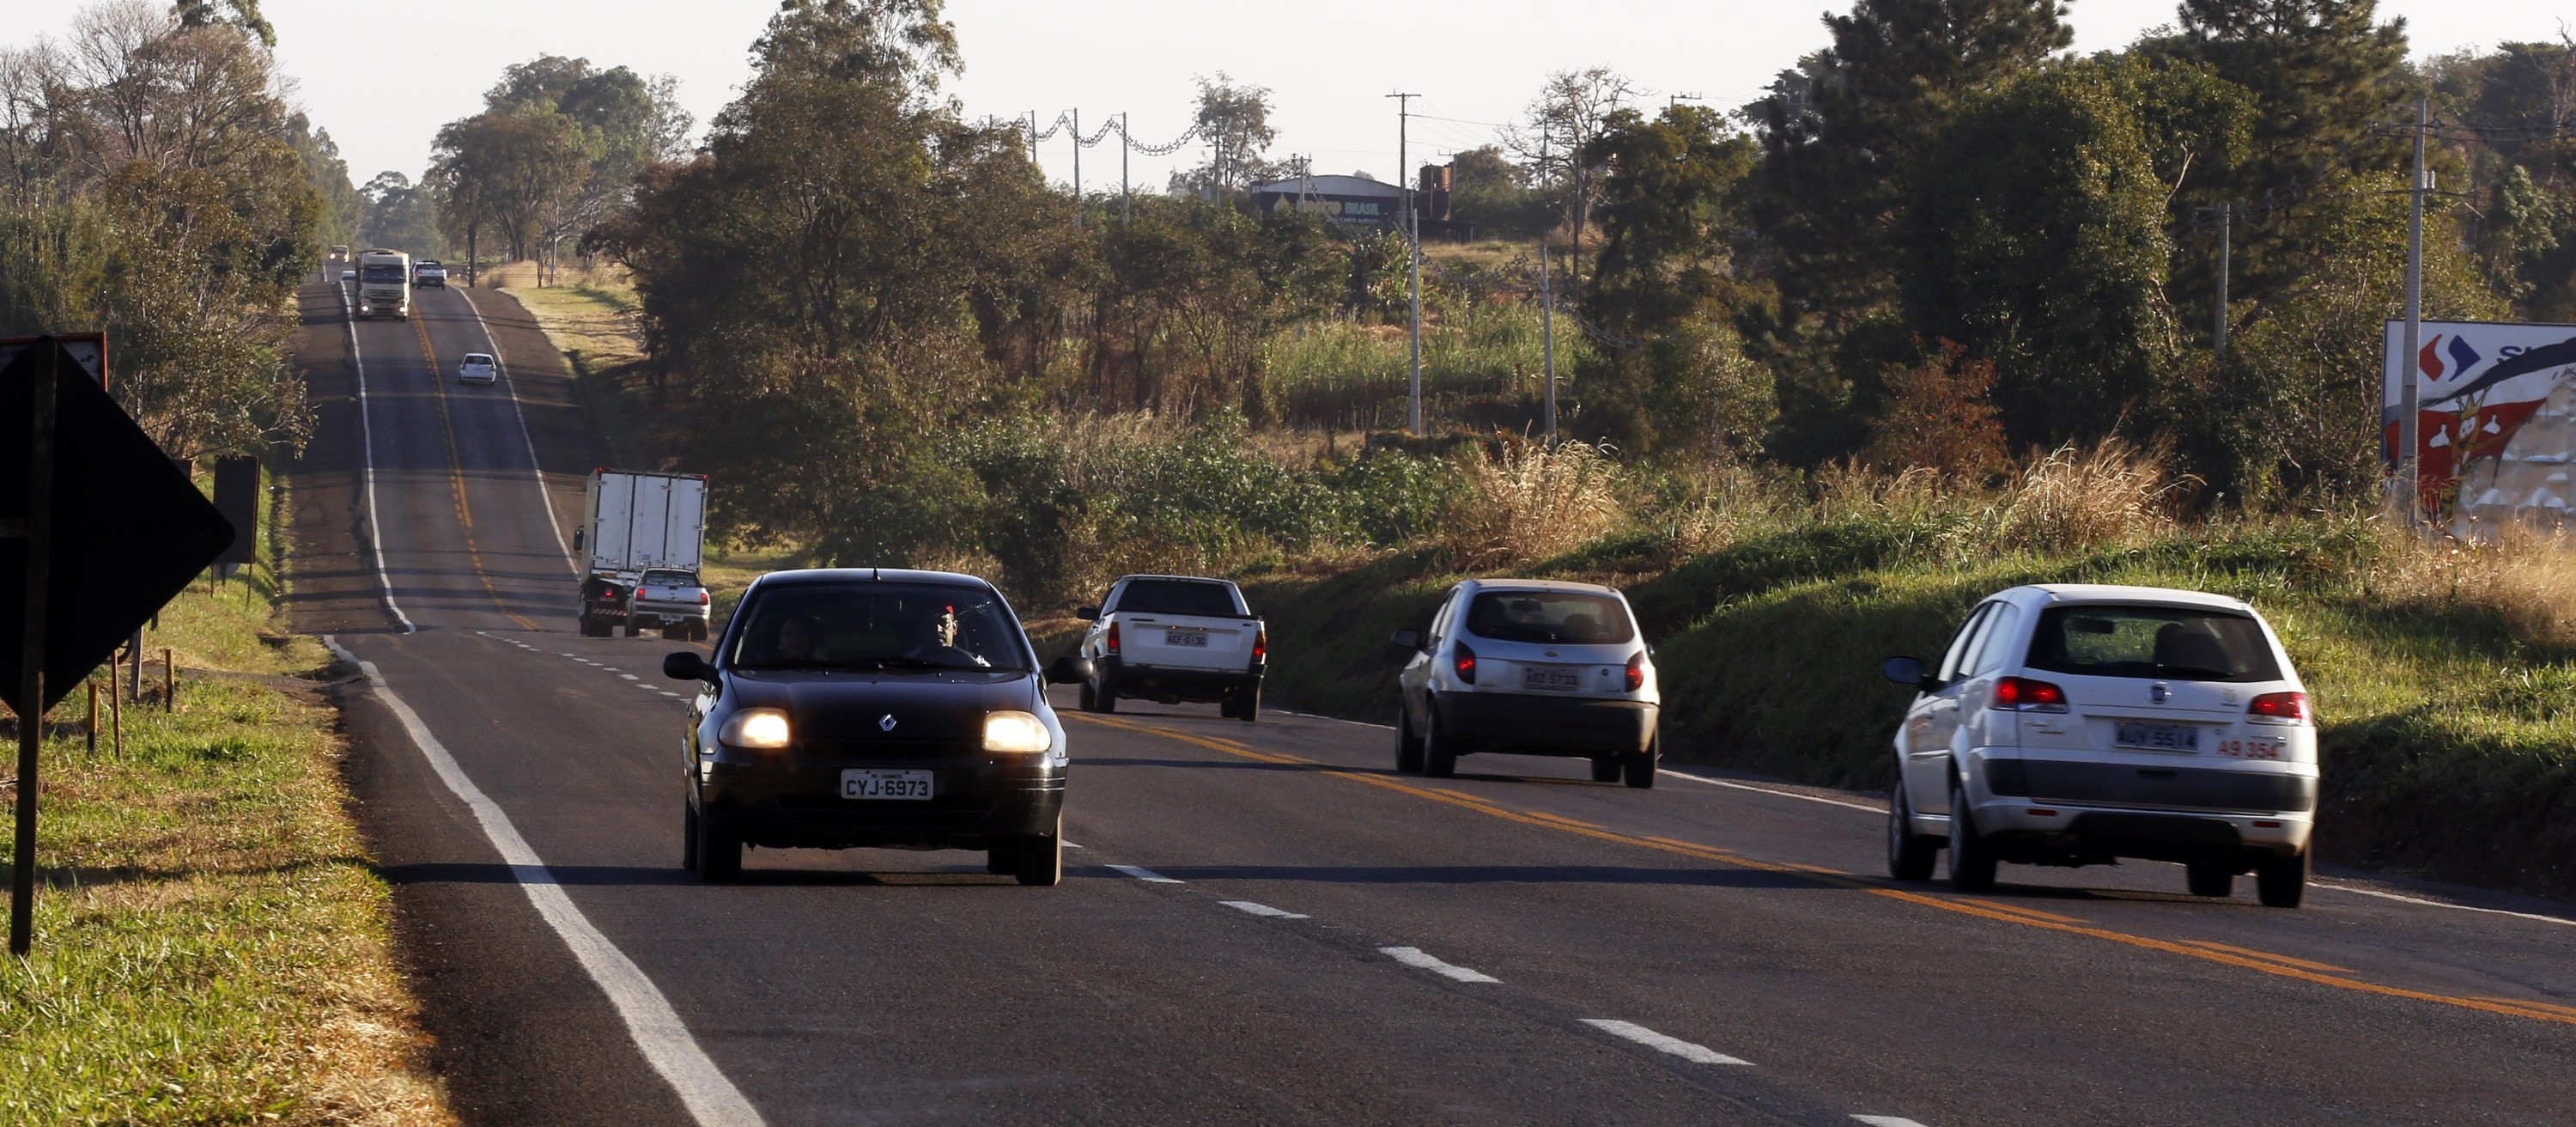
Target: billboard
x=2496, y=420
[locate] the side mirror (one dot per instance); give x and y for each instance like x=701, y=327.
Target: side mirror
x=686, y=665
x=1908, y=672
x=1407, y=639
x=1088, y=614
x=1071, y=669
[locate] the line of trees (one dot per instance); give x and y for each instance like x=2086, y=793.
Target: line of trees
x=557, y=149
x=156, y=184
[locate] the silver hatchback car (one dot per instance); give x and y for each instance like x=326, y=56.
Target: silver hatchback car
x=2076, y=725
x=1533, y=667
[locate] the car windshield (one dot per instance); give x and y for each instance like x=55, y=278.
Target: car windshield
x=662, y=577
x=2177, y=643
x=874, y=626
x=1177, y=596
x=380, y=274
x=1555, y=617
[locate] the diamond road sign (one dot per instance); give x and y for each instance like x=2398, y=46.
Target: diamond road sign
x=129, y=530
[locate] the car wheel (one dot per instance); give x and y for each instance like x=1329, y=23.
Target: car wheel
x=719, y=851
x=1225, y=706
x=1408, y=747
x=1439, y=752
x=688, y=837
x=1082, y=697
x=1106, y=700
x=2209, y=880
x=1972, y=862
x=1640, y=765
x=1040, y=859
x=2281, y=882
x=1909, y=854
x=1605, y=768
x=1247, y=703
x=632, y=629
x=698, y=632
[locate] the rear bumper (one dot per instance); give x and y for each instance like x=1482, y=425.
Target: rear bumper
x=1172, y=683
x=2048, y=810
x=658, y=614
x=1547, y=725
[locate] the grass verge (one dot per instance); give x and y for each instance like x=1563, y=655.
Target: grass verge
x=211, y=942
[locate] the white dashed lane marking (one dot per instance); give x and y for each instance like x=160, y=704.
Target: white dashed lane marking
x=1887, y=1121
x=1415, y=957
x=630, y=676
x=1149, y=876
x=1696, y=1054
x=1264, y=910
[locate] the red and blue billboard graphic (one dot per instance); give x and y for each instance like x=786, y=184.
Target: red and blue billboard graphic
x=2478, y=386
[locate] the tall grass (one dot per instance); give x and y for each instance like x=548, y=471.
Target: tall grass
x=1483, y=364
x=1528, y=501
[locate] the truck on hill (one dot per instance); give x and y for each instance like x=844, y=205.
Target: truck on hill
x=384, y=284
x=640, y=523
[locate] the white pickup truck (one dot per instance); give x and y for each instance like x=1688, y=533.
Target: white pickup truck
x=1174, y=638
x=673, y=600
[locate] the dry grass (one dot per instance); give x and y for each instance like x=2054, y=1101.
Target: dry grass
x=2073, y=499
x=2526, y=579
x=1527, y=502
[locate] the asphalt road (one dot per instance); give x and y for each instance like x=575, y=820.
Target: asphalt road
x=1263, y=922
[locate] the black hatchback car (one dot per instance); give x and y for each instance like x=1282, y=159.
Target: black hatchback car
x=874, y=708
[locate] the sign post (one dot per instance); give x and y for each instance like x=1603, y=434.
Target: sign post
x=36, y=534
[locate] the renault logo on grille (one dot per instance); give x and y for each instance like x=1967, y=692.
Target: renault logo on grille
x=885, y=723
x=2156, y=694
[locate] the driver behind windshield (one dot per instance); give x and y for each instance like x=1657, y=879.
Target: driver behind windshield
x=880, y=626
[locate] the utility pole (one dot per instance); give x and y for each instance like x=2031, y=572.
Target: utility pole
x=1547, y=312
x=2226, y=245
x=1033, y=136
x=38, y=536
x=1126, y=202
x=1413, y=248
x=2408, y=467
x=1077, y=161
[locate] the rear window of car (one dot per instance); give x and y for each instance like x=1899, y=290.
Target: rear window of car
x=478, y=358
x=2168, y=643
x=1558, y=617
x=660, y=578
x=1178, y=596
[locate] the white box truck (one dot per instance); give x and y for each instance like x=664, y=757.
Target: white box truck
x=639, y=522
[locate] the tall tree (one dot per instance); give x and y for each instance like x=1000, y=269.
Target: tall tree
x=1570, y=116
x=1233, y=120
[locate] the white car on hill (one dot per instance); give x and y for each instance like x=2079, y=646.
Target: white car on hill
x=2077, y=725
x=1534, y=667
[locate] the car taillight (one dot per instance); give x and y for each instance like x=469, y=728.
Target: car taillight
x=2021, y=694
x=1112, y=640
x=702, y=598
x=2279, y=708
x=1466, y=661
x=1261, y=645
x=1637, y=671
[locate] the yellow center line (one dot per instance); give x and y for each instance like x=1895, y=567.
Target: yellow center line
x=456, y=476
x=2274, y=965
x=2217, y=946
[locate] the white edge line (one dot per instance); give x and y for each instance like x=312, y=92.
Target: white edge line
x=2560, y=921
x=1149, y=876
x=535, y=467
x=367, y=442
x=1887, y=1121
x=1416, y=957
x=655, y=1027
x=1667, y=771
x=1696, y=1054
x=1264, y=910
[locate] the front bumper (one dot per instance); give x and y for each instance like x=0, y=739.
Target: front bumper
x=794, y=801
x=1531, y=724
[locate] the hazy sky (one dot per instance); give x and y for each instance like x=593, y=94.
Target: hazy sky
x=383, y=77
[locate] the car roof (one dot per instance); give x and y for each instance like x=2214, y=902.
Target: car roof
x=1539, y=585
x=1181, y=579
x=804, y=575
x=2115, y=593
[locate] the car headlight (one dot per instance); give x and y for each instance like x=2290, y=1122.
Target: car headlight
x=1020, y=732
x=761, y=729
